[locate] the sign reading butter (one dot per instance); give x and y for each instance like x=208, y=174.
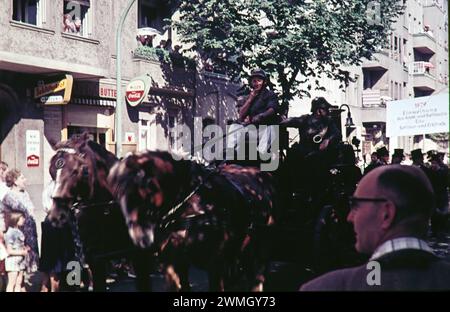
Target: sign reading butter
x=417, y=116
x=59, y=92
x=137, y=90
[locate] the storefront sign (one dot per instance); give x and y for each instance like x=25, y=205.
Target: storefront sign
x=53, y=99
x=33, y=147
x=422, y=115
x=106, y=91
x=137, y=90
x=94, y=89
x=59, y=92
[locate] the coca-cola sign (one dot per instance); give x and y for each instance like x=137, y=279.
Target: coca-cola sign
x=33, y=161
x=137, y=90
x=33, y=147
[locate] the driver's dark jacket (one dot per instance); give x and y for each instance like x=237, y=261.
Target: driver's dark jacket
x=261, y=103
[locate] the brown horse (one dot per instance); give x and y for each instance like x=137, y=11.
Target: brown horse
x=214, y=219
x=81, y=197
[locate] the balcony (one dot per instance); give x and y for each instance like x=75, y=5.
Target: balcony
x=374, y=98
x=424, y=79
x=380, y=62
x=424, y=42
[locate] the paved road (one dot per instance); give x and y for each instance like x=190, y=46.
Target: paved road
x=283, y=275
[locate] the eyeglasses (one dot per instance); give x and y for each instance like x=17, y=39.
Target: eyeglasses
x=353, y=200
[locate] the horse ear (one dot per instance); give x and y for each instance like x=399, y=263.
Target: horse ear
x=107, y=156
x=53, y=144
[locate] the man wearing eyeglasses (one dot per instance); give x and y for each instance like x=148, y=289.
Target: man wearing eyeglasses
x=390, y=214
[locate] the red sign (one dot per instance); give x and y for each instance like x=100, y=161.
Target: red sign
x=133, y=96
x=33, y=161
x=137, y=90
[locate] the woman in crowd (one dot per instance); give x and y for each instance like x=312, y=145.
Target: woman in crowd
x=17, y=199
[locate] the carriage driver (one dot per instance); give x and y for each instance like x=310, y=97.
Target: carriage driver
x=260, y=108
x=320, y=108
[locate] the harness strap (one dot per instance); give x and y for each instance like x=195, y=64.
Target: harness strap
x=177, y=207
x=67, y=150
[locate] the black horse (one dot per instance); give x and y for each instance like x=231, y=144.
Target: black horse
x=82, y=198
x=217, y=219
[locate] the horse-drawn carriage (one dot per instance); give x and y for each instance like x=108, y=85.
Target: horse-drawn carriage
x=229, y=220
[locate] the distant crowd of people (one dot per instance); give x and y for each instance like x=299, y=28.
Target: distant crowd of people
x=436, y=171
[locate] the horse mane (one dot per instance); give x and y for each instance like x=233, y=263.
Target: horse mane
x=137, y=170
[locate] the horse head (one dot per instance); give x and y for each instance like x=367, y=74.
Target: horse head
x=145, y=185
x=79, y=169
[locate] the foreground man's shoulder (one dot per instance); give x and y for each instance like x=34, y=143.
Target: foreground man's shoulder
x=336, y=280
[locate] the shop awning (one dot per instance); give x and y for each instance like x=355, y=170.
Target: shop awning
x=93, y=102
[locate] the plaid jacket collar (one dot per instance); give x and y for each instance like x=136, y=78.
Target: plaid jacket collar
x=400, y=243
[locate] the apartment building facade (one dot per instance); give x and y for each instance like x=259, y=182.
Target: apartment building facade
x=414, y=65
x=58, y=80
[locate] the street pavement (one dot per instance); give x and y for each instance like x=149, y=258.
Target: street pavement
x=283, y=276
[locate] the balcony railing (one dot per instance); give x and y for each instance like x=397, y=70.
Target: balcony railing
x=372, y=98
x=428, y=3
x=420, y=68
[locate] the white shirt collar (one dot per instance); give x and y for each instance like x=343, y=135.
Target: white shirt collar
x=400, y=243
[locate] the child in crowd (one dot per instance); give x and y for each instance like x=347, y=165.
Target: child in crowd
x=15, y=247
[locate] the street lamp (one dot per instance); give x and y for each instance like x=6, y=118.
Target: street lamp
x=349, y=125
x=349, y=121
x=118, y=116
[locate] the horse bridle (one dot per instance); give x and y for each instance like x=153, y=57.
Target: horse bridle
x=78, y=203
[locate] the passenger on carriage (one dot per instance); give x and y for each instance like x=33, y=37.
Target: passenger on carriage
x=260, y=108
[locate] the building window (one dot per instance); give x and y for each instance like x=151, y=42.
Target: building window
x=29, y=11
x=77, y=17
x=175, y=132
x=152, y=13
x=95, y=134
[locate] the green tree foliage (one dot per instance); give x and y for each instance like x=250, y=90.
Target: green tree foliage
x=291, y=39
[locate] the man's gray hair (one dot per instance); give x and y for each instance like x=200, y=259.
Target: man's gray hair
x=409, y=189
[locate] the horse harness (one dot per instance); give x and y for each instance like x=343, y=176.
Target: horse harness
x=79, y=205
x=170, y=218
